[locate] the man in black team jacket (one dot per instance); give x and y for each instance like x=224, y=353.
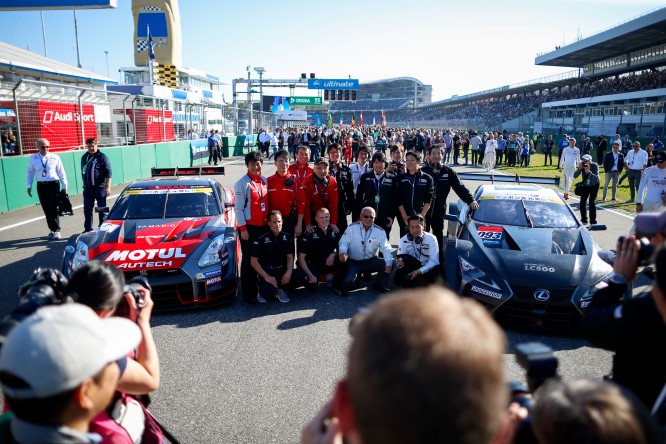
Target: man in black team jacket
x=444, y=179
x=377, y=189
x=631, y=326
x=317, y=250
x=343, y=176
x=415, y=190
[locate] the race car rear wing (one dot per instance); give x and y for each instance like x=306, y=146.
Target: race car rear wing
x=511, y=179
x=187, y=171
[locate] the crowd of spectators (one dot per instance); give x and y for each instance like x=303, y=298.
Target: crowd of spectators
x=369, y=105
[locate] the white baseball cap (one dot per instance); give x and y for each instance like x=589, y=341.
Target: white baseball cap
x=58, y=347
x=587, y=157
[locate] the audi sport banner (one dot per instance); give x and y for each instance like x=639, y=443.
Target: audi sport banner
x=152, y=125
x=60, y=123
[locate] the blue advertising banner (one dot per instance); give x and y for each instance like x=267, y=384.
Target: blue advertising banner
x=199, y=149
x=333, y=84
x=19, y=5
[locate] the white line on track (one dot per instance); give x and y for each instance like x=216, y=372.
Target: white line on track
x=35, y=219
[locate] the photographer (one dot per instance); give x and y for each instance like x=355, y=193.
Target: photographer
x=590, y=188
x=631, y=326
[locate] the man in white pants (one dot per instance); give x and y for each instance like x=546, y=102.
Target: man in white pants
x=569, y=160
x=653, y=186
x=489, y=156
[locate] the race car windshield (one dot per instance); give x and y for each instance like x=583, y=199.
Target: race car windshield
x=160, y=204
x=542, y=213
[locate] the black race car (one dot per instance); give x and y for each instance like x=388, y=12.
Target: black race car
x=524, y=255
x=177, y=231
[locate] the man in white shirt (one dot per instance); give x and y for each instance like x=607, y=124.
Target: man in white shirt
x=264, y=141
x=51, y=179
x=569, y=160
x=358, y=250
x=489, y=157
x=652, y=188
x=634, y=164
x=418, y=256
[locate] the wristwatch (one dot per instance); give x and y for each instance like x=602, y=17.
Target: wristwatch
x=617, y=279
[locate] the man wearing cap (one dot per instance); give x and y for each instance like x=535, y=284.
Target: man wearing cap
x=68, y=376
x=652, y=188
x=569, y=161
x=96, y=175
x=613, y=164
x=50, y=174
x=321, y=191
x=630, y=326
x=635, y=162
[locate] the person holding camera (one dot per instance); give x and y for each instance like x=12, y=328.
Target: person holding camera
x=418, y=256
x=59, y=369
x=590, y=188
x=651, y=194
x=630, y=326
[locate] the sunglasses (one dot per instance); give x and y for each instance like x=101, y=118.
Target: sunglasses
x=368, y=216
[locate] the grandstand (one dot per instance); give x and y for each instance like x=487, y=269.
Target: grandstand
x=383, y=95
x=619, y=85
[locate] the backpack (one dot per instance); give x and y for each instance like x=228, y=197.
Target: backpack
x=121, y=423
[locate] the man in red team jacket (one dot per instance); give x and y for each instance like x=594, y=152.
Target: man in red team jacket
x=286, y=195
x=321, y=191
x=301, y=169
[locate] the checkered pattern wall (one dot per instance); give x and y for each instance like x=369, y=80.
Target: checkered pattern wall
x=166, y=75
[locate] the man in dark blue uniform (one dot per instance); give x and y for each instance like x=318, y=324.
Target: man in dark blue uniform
x=377, y=189
x=96, y=175
x=317, y=251
x=415, y=190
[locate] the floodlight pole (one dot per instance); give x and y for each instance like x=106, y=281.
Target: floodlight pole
x=76, y=33
x=41, y=14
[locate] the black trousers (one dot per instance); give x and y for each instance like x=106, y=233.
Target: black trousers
x=248, y=276
x=213, y=154
x=511, y=158
x=402, y=277
x=319, y=269
x=351, y=268
x=589, y=197
x=298, y=279
x=548, y=155
x=90, y=196
x=435, y=224
x=47, y=193
x=499, y=155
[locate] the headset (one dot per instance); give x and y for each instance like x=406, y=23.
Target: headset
x=323, y=181
x=289, y=181
x=417, y=240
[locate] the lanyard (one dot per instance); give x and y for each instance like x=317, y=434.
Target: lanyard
x=44, y=164
x=378, y=183
x=365, y=236
x=259, y=190
x=298, y=174
x=92, y=171
x=321, y=195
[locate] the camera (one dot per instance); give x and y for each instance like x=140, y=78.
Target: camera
x=645, y=250
x=132, y=287
x=46, y=286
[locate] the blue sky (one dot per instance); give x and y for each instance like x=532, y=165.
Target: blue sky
x=458, y=47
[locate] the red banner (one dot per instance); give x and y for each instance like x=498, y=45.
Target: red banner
x=60, y=123
x=151, y=125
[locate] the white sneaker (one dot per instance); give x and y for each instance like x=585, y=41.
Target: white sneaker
x=282, y=296
x=261, y=299
x=56, y=235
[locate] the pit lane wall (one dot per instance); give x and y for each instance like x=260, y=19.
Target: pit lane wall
x=129, y=163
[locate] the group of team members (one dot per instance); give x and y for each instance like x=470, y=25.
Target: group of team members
x=312, y=204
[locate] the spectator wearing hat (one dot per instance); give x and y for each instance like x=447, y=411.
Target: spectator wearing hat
x=69, y=375
x=590, y=172
x=613, y=164
x=652, y=188
x=96, y=175
x=321, y=191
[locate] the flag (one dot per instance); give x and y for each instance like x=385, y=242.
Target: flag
x=151, y=46
x=383, y=119
x=330, y=120
x=353, y=123
x=360, y=120
x=373, y=119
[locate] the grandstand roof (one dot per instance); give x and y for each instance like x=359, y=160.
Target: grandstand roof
x=394, y=79
x=633, y=35
x=30, y=63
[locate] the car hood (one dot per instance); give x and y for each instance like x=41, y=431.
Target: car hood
x=166, y=243
x=545, y=256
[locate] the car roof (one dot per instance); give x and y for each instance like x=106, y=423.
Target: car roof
x=514, y=191
x=188, y=182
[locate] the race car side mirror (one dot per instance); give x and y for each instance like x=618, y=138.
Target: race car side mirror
x=451, y=217
x=597, y=227
x=101, y=209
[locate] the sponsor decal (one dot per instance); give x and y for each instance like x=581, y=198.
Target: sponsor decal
x=215, y=280
x=541, y=295
x=229, y=239
x=149, y=254
x=109, y=228
x=69, y=249
x=156, y=264
x=485, y=292
x=207, y=274
x=225, y=262
x=145, y=191
x=539, y=267
x=584, y=304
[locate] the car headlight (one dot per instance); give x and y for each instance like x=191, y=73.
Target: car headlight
x=473, y=273
x=587, y=296
x=212, y=254
x=80, y=255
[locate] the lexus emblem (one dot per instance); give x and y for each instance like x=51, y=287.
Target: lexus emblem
x=541, y=295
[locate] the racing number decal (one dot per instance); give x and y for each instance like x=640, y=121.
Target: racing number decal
x=491, y=236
